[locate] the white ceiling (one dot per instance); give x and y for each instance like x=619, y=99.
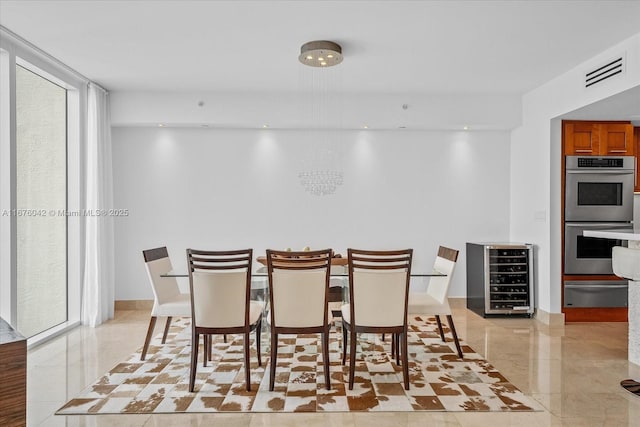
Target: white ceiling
x=498, y=47
x=395, y=52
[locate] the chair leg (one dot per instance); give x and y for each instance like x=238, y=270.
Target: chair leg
x=195, y=342
x=325, y=357
x=455, y=335
x=147, y=340
x=209, y=348
x=258, y=339
x=405, y=360
x=247, y=370
x=225, y=338
x=205, y=349
x=166, y=329
x=383, y=337
x=352, y=357
x=344, y=343
x=393, y=345
x=440, y=328
x=274, y=359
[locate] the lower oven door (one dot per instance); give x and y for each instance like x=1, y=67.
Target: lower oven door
x=590, y=255
x=595, y=293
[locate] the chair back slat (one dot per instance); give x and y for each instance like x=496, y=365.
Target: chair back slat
x=155, y=253
x=448, y=253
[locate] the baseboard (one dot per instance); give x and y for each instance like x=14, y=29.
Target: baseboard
x=133, y=304
x=549, y=319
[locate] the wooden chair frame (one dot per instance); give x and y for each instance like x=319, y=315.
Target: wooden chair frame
x=376, y=261
x=154, y=255
x=212, y=261
x=450, y=255
x=299, y=261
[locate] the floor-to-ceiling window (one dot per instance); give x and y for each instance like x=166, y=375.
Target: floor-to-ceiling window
x=41, y=203
x=43, y=124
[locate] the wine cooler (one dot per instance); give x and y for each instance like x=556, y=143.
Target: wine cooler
x=500, y=279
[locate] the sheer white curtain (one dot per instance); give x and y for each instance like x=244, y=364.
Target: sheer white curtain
x=98, y=283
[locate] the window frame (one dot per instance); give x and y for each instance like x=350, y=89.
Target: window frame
x=16, y=51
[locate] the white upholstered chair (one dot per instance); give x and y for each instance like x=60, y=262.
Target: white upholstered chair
x=168, y=301
x=220, y=283
x=299, y=297
x=378, y=292
x=434, y=301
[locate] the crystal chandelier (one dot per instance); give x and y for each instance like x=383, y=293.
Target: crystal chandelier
x=321, y=174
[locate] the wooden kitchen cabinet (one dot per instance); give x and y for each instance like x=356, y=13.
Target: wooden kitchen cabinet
x=588, y=138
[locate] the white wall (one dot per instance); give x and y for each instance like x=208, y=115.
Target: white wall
x=205, y=188
x=535, y=160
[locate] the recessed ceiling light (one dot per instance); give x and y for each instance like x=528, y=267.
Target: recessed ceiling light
x=265, y=126
x=309, y=57
x=160, y=125
x=365, y=127
x=465, y=127
x=323, y=63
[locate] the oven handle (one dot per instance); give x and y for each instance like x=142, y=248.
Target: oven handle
x=603, y=225
x=602, y=172
x=595, y=285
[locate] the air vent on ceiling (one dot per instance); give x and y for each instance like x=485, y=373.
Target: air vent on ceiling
x=604, y=72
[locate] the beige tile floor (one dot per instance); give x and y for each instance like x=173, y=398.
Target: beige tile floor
x=573, y=371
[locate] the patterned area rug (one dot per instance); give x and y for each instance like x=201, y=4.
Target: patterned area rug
x=439, y=380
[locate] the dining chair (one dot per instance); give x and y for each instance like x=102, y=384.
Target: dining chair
x=167, y=299
x=220, y=283
x=299, y=298
x=434, y=301
x=378, y=292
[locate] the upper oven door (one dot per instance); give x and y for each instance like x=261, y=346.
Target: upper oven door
x=603, y=195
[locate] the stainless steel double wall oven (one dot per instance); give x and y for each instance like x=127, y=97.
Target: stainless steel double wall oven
x=598, y=195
